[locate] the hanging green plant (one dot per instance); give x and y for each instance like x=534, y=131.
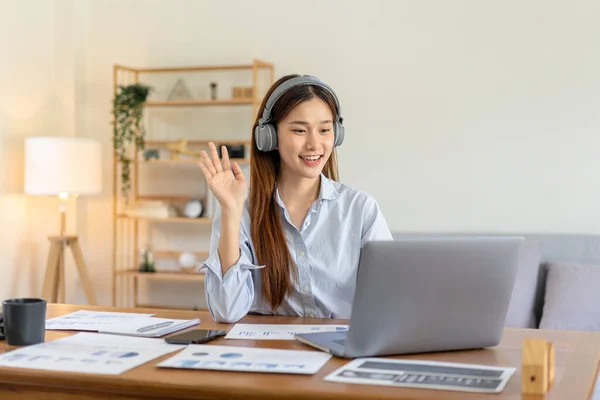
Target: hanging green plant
x=128, y=109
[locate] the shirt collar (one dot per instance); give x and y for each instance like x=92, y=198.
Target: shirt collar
x=327, y=191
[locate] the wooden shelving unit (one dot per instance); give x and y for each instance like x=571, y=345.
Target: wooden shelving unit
x=127, y=228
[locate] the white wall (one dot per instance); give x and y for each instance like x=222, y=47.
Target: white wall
x=463, y=115
x=37, y=98
x=460, y=116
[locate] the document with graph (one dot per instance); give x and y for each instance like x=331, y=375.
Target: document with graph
x=247, y=359
x=91, y=353
x=92, y=321
x=277, y=331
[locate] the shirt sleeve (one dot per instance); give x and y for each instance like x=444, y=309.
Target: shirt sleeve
x=375, y=226
x=229, y=297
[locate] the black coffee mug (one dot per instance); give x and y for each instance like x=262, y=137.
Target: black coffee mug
x=24, y=321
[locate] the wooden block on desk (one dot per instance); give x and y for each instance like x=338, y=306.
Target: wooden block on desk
x=537, y=366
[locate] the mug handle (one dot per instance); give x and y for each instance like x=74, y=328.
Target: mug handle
x=1, y=326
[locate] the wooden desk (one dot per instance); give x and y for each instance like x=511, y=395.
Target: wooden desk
x=577, y=356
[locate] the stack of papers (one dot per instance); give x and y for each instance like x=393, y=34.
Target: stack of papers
x=92, y=321
x=142, y=325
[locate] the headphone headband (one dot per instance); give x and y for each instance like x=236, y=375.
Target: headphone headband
x=266, y=134
x=290, y=83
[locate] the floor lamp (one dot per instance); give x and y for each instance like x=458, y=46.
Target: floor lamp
x=63, y=167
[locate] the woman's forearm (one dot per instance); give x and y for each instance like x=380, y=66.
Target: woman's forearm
x=229, y=246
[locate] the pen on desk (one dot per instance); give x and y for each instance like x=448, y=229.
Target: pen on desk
x=151, y=327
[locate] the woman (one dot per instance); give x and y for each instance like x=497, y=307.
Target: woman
x=293, y=246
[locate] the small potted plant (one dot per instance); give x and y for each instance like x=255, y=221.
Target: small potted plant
x=128, y=110
x=147, y=260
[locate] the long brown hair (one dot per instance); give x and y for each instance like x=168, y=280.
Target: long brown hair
x=267, y=226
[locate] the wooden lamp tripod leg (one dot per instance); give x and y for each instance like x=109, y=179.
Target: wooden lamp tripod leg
x=61, y=281
x=83, y=272
x=50, y=288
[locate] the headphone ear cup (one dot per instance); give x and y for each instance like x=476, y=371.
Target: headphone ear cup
x=265, y=137
x=339, y=134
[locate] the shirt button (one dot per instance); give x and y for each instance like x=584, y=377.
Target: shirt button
x=301, y=253
x=305, y=288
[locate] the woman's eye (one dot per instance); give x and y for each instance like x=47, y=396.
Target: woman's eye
x=298, y=130
x=325, y=130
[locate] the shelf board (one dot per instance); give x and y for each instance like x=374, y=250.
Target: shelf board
x=170, y=219
x=179, y=103
x=175, y=254
x=257, y=63
x=188, y=161
x=163, y=307
x=164, y=275
x=205, y=68
x=158, y=197
x=157, y=143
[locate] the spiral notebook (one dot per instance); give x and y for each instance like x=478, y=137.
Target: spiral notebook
x=150, y=327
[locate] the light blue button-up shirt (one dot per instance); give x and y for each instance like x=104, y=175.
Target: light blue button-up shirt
x=326, y=250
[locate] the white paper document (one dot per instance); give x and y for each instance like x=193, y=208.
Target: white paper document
x=150, y=326
x=131, y=324
x=423, y=374
x=94, y=321
x=277, y=331
x=92, y=353
x=247, y=359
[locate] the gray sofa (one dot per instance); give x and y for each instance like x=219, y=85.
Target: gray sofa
x=558, y=282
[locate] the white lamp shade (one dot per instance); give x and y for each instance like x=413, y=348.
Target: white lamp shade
x=55, y=165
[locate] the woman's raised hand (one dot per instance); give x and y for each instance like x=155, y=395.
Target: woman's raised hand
x=226, y=181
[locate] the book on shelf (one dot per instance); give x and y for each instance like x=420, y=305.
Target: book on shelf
x=151, y=209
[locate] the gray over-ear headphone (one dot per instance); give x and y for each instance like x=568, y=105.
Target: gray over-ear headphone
x=265, y=133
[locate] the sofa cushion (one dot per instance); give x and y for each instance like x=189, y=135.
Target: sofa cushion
x=521, y=310
x=572, y=297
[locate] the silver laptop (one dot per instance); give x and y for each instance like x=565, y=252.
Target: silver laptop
x=426, y=295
